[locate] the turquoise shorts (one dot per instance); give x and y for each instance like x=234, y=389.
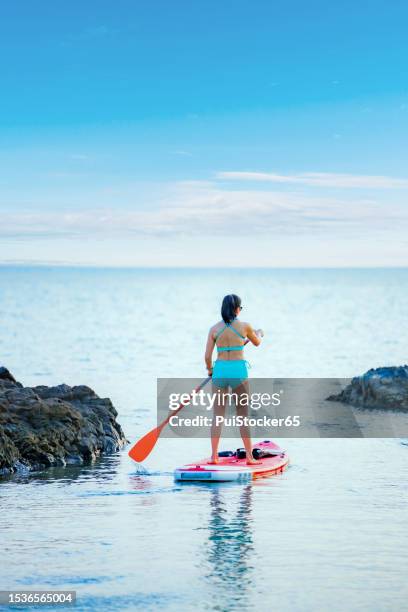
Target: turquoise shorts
x=230, y=373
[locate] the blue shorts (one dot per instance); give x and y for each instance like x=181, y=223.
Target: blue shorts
x=229, y=373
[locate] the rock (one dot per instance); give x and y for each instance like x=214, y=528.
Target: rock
x=18, y=395
x=9, y=453
x=53, y=426
x=378, y=388
x=5, y=375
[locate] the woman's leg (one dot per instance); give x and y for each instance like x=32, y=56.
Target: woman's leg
x=219, y=410
x=242, y=392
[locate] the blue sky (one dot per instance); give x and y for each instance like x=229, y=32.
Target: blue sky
x=167, y=133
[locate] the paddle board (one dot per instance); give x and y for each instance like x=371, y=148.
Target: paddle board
x=232, y=468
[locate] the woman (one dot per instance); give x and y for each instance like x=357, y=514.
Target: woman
x=230, y=369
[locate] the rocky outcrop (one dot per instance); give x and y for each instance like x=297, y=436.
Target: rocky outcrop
x=377, y=388
x=49, y=426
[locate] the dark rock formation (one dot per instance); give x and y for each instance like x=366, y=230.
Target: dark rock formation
x=49, y=426
x=377, y=388
x=5, y=375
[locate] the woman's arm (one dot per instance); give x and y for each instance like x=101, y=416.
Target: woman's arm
x=254, y=335
x=209, y=351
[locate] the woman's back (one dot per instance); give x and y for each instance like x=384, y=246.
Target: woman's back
x=230, y=336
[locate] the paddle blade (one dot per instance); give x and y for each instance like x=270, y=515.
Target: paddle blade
x=145, y=445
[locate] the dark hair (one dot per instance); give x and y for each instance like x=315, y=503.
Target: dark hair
x=229, y=305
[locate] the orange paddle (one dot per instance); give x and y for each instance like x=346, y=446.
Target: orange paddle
x=145, y=445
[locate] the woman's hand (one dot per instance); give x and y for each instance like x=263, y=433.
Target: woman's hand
x=209, y=371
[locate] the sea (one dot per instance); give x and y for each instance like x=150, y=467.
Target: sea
x=330, y=533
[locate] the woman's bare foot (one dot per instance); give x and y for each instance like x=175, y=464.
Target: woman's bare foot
x=213, y=461
x=253, y=462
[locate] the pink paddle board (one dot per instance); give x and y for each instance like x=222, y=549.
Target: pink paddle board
x=233, y=469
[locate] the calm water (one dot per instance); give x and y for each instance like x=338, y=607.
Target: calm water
x=331, y=532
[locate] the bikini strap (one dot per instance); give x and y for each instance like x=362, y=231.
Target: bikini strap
x=236, y=331
x=220, y=332
x=233, y=329
x=228, y=349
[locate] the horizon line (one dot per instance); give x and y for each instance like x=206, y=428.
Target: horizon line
x=198, y=267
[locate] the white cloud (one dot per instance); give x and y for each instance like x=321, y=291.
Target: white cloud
x=319, y=179
x=204, y=208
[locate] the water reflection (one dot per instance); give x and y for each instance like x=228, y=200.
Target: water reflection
x=104, y=469
x=230, y=545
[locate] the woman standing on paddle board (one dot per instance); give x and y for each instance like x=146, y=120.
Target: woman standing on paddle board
x=230, y=369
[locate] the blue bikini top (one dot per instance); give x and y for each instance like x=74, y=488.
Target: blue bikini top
x=227, y=349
